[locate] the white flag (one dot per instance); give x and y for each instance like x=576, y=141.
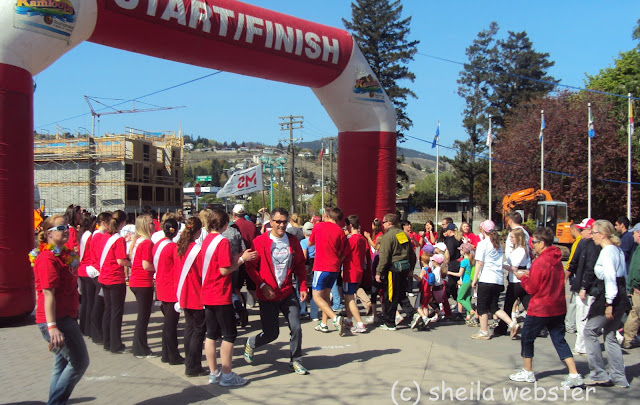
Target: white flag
x=243, y=182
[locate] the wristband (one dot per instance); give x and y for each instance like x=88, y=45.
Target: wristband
x=52, y=327
x=262, y=285
x=50, y=324
x=241, y=260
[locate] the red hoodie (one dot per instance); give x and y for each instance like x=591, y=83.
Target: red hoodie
x=545, y=284
x=261, y=269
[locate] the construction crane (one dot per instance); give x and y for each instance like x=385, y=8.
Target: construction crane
x=133, y=109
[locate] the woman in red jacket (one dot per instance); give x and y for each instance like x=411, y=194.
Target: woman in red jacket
x=141, y=283
x=112, y=262
x=188, y=295
x=165, y=258
x=54, y=267
x=547, y=307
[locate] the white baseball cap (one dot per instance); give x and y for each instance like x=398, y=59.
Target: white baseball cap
x=239, y=209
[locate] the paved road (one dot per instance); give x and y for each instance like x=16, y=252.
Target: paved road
x=351, y=369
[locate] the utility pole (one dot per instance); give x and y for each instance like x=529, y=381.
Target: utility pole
x=331, y=170
x=294, y=122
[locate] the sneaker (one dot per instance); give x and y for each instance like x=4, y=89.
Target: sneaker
x=248, y=352
x=523, y=375
x=571, y=382
x=481, y=335
x=399, y=319
x=348, y=323
x=385, y=327
x=234, y=381
x=622, y=385
x=215, y=378
x=298, y=368
x=415, y=321
x=514, y=328
x=367, y=319
x=434, y=318
x=593, y=381
x=410, y=294
x=321, y=328
x=473, y=322
x=358, y=329
x=339, y=325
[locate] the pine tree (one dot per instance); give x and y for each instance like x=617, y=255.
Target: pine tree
x=381, y=33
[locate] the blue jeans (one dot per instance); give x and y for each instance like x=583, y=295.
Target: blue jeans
x=532, y=327
x=335, y=296
x=70, y=363
x=269, y=313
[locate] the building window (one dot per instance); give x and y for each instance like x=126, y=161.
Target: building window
x=147, y=193
x=145, y=175
x=128, y=172
x=159, y=195
x=132, y=193
x=145, y=153
x=178, y=195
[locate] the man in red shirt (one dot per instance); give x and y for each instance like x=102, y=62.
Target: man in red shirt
x=279, y=256
x=353, y=270
x=547, y=307
x=331, y=248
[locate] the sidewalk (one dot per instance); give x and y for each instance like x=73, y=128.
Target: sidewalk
x=352, y=369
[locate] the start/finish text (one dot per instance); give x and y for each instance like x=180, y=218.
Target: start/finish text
x=204, y=16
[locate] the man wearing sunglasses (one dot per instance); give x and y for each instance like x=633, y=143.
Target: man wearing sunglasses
x=279, y=256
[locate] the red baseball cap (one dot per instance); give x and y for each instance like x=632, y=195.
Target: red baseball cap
x=586, y=223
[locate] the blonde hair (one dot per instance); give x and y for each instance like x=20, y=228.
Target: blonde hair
x=294, y=219
x=471, y=256
x=170, y=215
x=520, y=240
x=46, y=225
x=143, y=223
x=606, y=228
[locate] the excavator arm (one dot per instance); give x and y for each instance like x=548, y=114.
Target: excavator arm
x=510, y=201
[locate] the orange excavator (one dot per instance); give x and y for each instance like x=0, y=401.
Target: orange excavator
x=549, y=213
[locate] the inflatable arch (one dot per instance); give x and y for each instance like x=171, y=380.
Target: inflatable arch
x=218, y=34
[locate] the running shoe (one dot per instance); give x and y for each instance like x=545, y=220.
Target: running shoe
x=523, y=375
x=298, y=368
x=358, y=329
x=593, y=381
x=339, y=325
x=399, y=319
x=513, y=329
x=215, y=378
x=571, y=382
x=481, y=335
x=233, y=381
x=321, y=328
x=385, y=327
x=415, y=321
x=248, y=352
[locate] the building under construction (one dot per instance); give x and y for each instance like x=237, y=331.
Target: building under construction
x=113, y=172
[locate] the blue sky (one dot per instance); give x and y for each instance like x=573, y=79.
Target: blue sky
x=582, y=37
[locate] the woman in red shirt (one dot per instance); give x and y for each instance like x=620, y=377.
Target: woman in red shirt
x=54, y=268
x=188, y=295
x=87, y=288
x=217, y=264
x=165, y=254
x=468, y=236
x=112, y=262
x=429, y=235
x=97, y=243
x=141, y=283
x=73, y=216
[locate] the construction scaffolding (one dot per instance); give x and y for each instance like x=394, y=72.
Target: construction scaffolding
x=109, y=173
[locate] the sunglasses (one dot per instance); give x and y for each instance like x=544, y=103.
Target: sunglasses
x=535, y=241
x=282, y=222
x=60, y=228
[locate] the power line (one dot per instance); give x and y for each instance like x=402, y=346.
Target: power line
x=485, y=157
x=134, y=99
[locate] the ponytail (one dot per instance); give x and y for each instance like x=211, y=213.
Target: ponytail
x=494, y=238
x=117, y=218
x=170, y=228
x=187, y=236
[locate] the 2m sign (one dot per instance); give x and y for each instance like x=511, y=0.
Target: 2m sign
x=247, y=180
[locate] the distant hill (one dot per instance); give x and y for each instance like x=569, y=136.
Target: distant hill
x=408, y=153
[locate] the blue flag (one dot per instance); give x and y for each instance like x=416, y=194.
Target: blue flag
x=542, y=129
x=437, y=137
x=592, y=129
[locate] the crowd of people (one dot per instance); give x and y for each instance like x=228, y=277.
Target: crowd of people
x=322, y=270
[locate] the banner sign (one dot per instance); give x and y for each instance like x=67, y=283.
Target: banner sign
x=243, y=182
x=54, y=18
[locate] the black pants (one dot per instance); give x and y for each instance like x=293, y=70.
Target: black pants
x=514, y=291
x=452, y=287
x=97, y=313
x=396, y=282
x=144, y=298
x=269, y=313
x=88, y=290
x=194, y=332
x=170, y=352
x=114, y=296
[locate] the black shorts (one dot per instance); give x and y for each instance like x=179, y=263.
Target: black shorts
x=488, y=296
x=221, y=322
x=240, y=277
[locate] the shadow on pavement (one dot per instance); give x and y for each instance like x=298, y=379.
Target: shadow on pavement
x=188, y=395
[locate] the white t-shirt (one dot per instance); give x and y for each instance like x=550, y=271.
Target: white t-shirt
x=437, y=274
x=508, y=246
x=517, y=258
x=158, y=236
x=203, y=235
x=491, y=259
x=610, y=265
x=281, y=257
x=128, y=232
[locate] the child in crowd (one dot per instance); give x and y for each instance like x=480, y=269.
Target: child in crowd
x=467, y=265
x=425, y=281
x=439, y=269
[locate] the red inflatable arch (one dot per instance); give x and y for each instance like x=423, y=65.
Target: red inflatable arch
x=218, y=34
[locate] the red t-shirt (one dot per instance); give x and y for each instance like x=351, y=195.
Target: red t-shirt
x=86, y=258
x=50, y=273
x=168, y=271
x=353, y=265
x=72, y=243
x=473, y=238
x=139, y=276
x=216, y=288
x=190, y=294
x=331, y=244
x=98, y=241
x=112, y=273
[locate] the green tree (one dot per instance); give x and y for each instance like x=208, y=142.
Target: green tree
x=636, y=31
x=382, y=34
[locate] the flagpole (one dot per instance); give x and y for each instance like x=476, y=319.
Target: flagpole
x=437, y=170
x=629, y=159
x=589, y=172
x=322, y=187
x=490, y=142
x=542, y=151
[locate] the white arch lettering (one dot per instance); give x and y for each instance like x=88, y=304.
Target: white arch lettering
x=175, y=9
